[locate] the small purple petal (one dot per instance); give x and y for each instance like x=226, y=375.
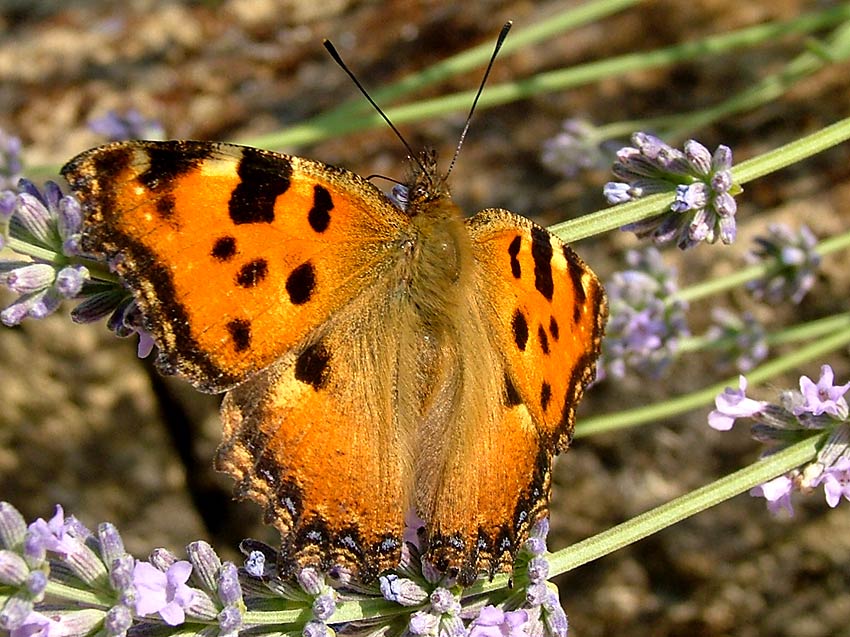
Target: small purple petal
x=732, y=404
x=777, y=492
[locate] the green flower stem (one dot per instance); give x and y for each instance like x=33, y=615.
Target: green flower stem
x=43, y=254
x=795, y=334
x=345, y=612
x=326, y=125
x=685, y=506
x=680, y=125
x=612, y=218
x=476, y=56
x=793, y=152
x=705, y=397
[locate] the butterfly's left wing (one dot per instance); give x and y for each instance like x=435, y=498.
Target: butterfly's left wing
x=544, y=311
x=264, y=274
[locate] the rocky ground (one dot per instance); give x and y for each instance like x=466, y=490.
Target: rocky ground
x=83, y=422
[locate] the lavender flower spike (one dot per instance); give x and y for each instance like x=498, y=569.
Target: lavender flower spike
x=704, y=208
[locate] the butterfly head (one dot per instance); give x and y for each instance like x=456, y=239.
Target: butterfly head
x=425, y=184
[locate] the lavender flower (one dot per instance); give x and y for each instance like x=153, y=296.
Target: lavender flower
x=822, y=397
x=743, y=339
x=777, y=493
x=165, y=593
x=793, y=260
x=816, y=407
x=207, y=596
x=836, y=482
x=646, y=320
x=43, y=228
x=48, y=224
x=494, y=622
x=575, y=148
x=36, y=624
x=704, y=208
x=128, y=125
x=733, y=404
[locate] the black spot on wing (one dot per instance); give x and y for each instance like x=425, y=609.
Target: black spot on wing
x=543, y=338
x=519, y=324
x=300, y=283
x=264, y=176
x=252, y=273
x=541, y=253
x=553, y=328
x=319, y=215
x=311, y=366
x=240, y=333
x=169, y=160
x=513, y=250
x=545, y=395
x=224, y=248
x=165, y=206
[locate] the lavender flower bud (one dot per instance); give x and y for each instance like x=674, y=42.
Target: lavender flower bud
x=12, y=527
x=206, y=563
x=13, y=568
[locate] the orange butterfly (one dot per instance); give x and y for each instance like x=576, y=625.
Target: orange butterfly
x=375, y=360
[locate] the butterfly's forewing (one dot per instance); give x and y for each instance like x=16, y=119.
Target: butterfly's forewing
x=235, y=254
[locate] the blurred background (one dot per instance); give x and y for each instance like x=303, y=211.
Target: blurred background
x=85, y=423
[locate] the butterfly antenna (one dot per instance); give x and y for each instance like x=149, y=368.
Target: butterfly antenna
x=338, y=59
x=499, y=41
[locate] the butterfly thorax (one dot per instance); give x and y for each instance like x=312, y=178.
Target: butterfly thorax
x=437, y=249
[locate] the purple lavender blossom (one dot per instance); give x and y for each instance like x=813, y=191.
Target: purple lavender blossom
x=742, y=338
x=165, y=593
x=402, y=590
x=38, y=625
x=777, y=492
x=576, y=147
x=646, y=320
x=704, y=208
x=492, y=621
x=50, y=223
x=733, y=404
x=817, y=407
x=822, y=397
x=836, y=482
x=53, y=534
x=793, y=261
x=10, y=160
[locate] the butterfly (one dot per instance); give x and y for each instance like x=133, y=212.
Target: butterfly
x=377, y=358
